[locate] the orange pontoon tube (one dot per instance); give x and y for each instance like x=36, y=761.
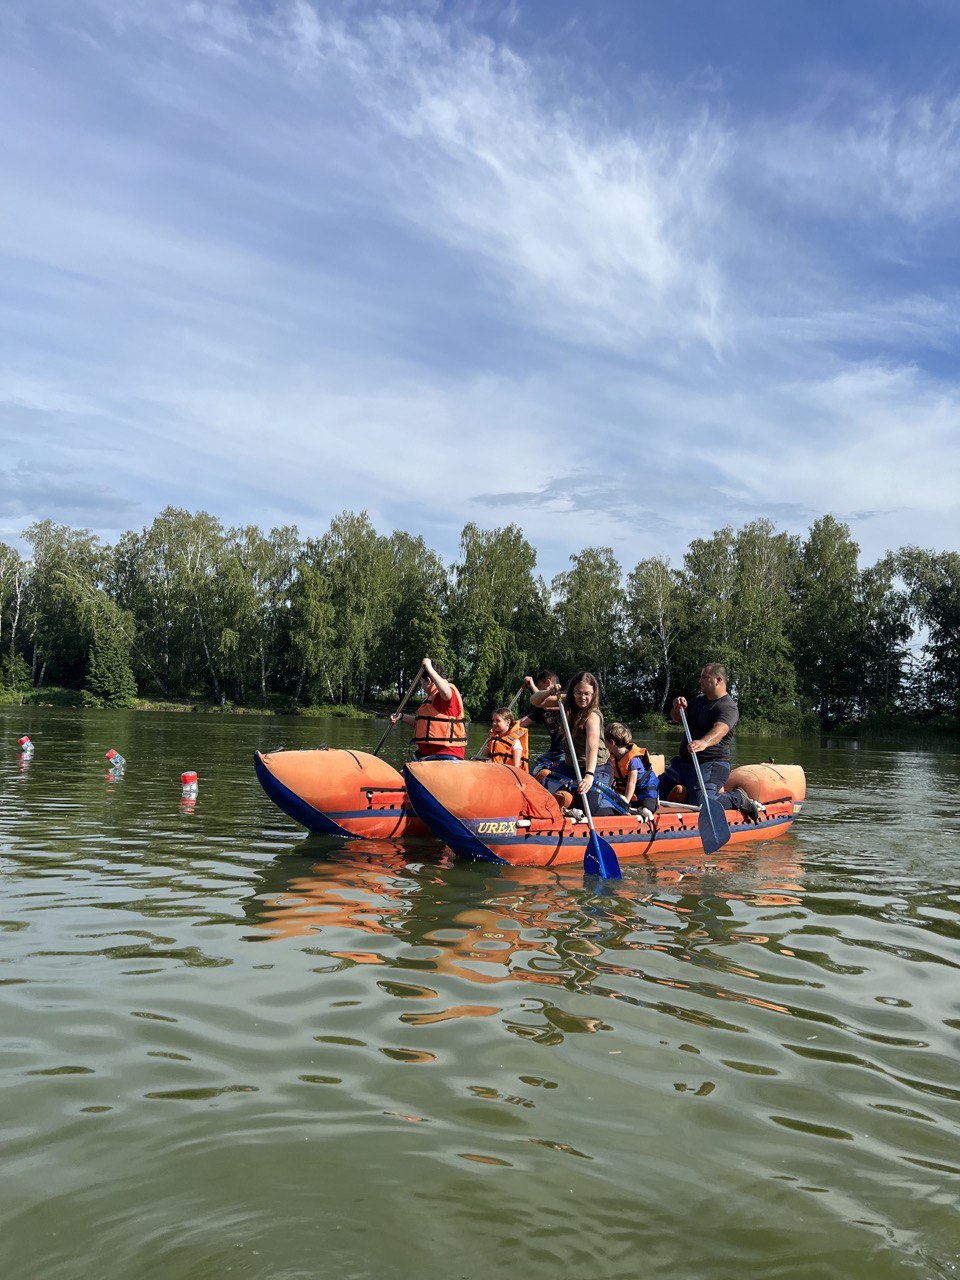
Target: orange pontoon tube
x=340, y=793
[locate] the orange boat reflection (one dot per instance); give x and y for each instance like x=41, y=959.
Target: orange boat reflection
x=534, y=925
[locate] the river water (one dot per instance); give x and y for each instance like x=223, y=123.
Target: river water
x=231, y=1049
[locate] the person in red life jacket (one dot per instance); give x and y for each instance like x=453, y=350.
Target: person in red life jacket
x=439, y=727
x=507, y=739
x=633, y=778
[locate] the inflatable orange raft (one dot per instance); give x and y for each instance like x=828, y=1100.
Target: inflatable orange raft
x=501, y=814
x=340, y=793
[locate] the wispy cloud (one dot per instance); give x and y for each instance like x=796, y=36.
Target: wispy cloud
x=863, y=155
x=580, y=495
x=603, y=233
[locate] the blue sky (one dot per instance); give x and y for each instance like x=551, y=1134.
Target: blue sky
x=622, y=273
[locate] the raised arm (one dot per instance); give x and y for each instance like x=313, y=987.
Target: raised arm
x=548, y=698
x=444, y=687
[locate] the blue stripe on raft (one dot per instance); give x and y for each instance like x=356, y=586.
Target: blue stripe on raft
x=294, y=807
x=581, y=834
x=554, y=835
x=444, y=825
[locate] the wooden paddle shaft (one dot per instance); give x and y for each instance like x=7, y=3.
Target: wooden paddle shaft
x=399, y=711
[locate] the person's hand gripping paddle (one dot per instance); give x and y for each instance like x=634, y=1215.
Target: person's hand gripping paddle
x=714, y=828
x=599, y=858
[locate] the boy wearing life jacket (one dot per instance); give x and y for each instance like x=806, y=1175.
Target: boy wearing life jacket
x=506, y=743
x=633, y=778
x=439, y=727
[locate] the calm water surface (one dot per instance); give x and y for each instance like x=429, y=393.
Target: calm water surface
x=231, y=1049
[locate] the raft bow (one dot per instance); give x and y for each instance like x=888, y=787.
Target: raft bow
x=334, y=792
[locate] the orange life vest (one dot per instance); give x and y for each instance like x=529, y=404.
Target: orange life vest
x=500, y=748
x=437, y=730
x=621, y=766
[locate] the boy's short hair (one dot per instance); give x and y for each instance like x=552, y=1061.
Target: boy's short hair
x=547, y=677
x=618, y=733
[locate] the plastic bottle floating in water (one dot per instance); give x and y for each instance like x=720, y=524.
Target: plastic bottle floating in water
x=26, y=746
x=115, y=760
x=188, y=787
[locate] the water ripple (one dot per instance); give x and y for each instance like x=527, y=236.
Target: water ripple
x=230, y=1048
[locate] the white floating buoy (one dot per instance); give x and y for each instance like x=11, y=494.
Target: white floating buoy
x=115, y=760
x=26, y=746
x=189, y=783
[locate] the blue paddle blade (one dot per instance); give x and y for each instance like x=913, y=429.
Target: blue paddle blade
x=599, y=859
x=714, y=828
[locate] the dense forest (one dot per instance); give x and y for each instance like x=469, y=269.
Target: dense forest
x=188, y=609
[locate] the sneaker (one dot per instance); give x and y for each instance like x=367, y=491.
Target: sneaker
x=576, y=814
x=749, y=807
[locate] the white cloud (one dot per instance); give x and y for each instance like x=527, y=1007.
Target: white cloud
x=892, y=434
x=867, y=155
x=364, y=257
x=603, y=234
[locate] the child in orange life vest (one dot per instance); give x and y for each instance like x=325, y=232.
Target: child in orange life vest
x=633, y=777
x=506, y=739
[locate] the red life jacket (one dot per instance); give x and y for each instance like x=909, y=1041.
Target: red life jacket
x=435, y=732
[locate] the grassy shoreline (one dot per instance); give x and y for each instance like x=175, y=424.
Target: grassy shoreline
x=886, y=727
x=56, y=696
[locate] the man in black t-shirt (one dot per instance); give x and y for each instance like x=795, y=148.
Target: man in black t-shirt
x=712, y=718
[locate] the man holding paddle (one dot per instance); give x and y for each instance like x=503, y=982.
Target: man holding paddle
x=712, y=718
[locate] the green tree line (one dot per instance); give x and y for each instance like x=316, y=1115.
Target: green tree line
x=187, y=608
